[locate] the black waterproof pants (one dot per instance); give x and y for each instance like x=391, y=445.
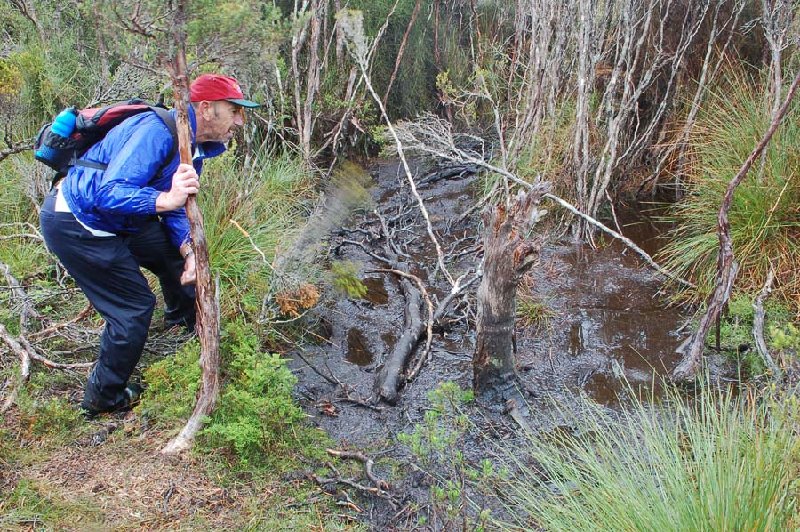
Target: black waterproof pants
x=107, y=271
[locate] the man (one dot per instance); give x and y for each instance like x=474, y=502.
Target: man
x=103, y=224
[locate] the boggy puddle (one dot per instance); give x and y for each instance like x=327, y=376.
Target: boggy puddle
x=604, y=330
x=601, y=329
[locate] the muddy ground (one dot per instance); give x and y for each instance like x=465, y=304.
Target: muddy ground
x=600, y=327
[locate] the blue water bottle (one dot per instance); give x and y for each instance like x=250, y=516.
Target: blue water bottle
x=64, y=124
x=51, y=144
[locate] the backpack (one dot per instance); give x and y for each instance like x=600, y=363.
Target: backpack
x=61, y=143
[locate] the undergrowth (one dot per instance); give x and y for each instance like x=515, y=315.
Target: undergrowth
x=437, y=444
x=764, y=222
x=256, y=421
x=247, y=215
x=717, y=462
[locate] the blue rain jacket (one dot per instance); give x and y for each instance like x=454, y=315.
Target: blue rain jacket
x=120, y=197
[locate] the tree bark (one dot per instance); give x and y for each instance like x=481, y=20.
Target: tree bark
x=507, y=256
x=207, y=306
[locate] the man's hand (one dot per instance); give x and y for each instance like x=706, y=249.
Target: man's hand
x=184, y=183
x=189, y=275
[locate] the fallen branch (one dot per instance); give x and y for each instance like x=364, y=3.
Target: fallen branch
x=625, y=240
x=368, y=464
x=352, y=24
x=334, y=380
x=388, y=380
x=428, y=304
x=353, y=484
x=441, y=310
x=24, y=366
x=758, y=326
x=27, y=309
x=52, y=329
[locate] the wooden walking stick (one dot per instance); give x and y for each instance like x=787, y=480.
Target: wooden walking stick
x=207, y=303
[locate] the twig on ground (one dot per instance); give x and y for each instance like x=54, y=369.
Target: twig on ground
x=368, y=465
x=46, y=332
x=345, y=388
x=27, y=310
x=353, y=484
x=24, y=367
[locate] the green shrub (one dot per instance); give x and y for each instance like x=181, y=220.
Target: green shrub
x=172, y=385
x=256, y=414
x=716, y=462
x=437, y=444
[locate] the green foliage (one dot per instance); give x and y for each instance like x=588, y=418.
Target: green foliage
x=785, y=342
x=437, y=444
x=256, y=416
x=547, y=152
x=531, y=312
x=52, y=418
x=763, y=217
x=172, y=385
x=717, y=462
x=786, y=337
x=265, y=201
x=736, y=332
x=346, y=281
x=443, y=424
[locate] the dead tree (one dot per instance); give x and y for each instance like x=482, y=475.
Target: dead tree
x=507, y=256
x=207, y=303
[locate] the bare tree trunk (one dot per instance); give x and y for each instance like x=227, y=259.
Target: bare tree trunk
x=207, y=307
x=758, y=326
x=585, y=75
x=402, y=50
x=507, y=256
x=726, y=265
x=298, y=40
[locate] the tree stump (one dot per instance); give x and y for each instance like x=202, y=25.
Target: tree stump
x=507, y=256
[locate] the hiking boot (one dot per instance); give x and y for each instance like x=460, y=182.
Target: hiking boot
x=132, y=394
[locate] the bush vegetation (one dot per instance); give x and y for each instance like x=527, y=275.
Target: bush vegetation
x=256, y=419
x=764, y=213
x=720, y=461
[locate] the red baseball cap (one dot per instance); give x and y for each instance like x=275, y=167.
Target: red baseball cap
x=213, y=87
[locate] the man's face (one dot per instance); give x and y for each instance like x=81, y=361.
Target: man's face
x=219, y=120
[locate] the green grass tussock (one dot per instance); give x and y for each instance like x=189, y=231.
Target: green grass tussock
x=764, y=221
x=718, y=462
x=247, y=212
